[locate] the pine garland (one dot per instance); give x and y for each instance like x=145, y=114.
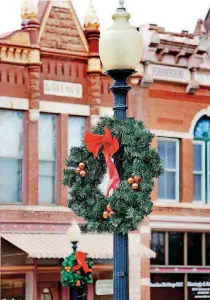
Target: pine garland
x=78, y=278
x=137, y=159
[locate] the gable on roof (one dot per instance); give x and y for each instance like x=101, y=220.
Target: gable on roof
x=60, y=28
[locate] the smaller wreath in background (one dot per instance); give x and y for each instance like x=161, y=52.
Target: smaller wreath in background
x=77, y=270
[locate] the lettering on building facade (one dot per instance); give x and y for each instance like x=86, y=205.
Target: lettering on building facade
x=63, y=89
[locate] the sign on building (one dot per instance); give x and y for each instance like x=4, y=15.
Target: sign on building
x=63, y=89
x=104, y=287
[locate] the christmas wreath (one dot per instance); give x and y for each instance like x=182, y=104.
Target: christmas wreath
x=128, y=143
x=77, y=270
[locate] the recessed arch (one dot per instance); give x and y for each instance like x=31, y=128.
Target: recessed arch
x=197, y=117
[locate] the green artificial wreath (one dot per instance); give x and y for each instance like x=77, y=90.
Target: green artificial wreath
x=137, y=158
x=78, y=277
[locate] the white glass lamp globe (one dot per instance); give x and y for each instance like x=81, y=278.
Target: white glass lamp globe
x=120, y=45
x=74, y=233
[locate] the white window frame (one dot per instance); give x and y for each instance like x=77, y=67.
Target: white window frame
x=55, y=200
x=177, y=170
x=203, y=183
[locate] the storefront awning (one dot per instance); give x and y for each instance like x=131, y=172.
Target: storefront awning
x=55, y=245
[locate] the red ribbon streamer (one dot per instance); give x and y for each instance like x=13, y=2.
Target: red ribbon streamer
x=81, y=263
x=110, y=146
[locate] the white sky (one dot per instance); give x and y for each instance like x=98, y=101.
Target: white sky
x=173, y=15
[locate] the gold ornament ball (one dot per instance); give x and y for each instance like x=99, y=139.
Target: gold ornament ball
x=108, y=208
x=83, y=173
x=82, y=166
x=130, y=180
x=137, y=179
x=135, y=186
x=105, y=214
x=78, y=170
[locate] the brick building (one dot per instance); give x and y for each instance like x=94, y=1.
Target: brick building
x=52, y=88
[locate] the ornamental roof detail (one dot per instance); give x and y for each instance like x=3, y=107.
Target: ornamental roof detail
x=60, y=28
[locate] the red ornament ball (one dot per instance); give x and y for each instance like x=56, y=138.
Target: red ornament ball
x=135, y=186
x=137, y=179
x=78, y=170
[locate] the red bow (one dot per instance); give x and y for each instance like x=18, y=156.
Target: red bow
x=81, y=263
x=110, y=146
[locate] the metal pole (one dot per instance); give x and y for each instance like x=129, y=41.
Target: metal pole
x=73, y=290
x=120, y=90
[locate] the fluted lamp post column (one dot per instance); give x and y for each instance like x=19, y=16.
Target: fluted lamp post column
x=120, y=50
x=74, y=236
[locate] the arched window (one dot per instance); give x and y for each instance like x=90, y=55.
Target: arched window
x=201, y=168
x=46, y=295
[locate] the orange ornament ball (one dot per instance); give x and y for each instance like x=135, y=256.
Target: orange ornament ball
x=78, y=283
x=135, y=186
x=108, y=208
x=83, y=173
x=130, y=180
x=82, y=166
x=105, y=215
x=137, y=179
x=78, y=170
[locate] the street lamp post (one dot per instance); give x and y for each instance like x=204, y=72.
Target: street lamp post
x=74, y=236
x=120, y=50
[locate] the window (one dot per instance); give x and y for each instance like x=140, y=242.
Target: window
x=198, y=170
x=194, y=249
x=158, y=245
x=176, y=248
x=47, y=159
x=202, y=160
x=46, y=295
x=11, y=156
x=76, y=128
x=168, y=183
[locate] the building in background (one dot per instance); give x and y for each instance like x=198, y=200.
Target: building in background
x=52, y=88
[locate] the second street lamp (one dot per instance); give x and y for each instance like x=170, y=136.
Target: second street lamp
x=120, y=50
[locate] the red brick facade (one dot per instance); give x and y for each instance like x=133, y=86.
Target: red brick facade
x=167, y=100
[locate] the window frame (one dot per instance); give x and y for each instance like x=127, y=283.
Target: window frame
x=55, y=161
x=177, y=177
x=203, y=162
x=23, y=161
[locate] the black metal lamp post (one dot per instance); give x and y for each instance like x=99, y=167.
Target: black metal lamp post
x=74, y=235
x=120, y=50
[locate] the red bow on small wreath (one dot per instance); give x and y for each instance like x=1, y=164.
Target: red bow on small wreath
x=110, y=146
x=81, y=263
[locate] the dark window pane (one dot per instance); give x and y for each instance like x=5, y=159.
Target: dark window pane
x=194, y=249
x=208, y=249
x=176, y=248
x=158, y=245
x=160, y=290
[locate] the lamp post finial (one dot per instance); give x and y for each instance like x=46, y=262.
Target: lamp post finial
x=121, y=2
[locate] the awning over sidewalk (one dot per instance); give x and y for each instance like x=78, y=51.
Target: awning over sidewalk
x=55, y=245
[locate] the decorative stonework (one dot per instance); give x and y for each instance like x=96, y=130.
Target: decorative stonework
x=61, y=32
x=94, y=65
x=91, y=19
x=34, y=86
x=19, y=55
x=94, y=95
x=169, y=73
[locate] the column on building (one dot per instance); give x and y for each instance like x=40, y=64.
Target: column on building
x=30, y=23
x=92, y=33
